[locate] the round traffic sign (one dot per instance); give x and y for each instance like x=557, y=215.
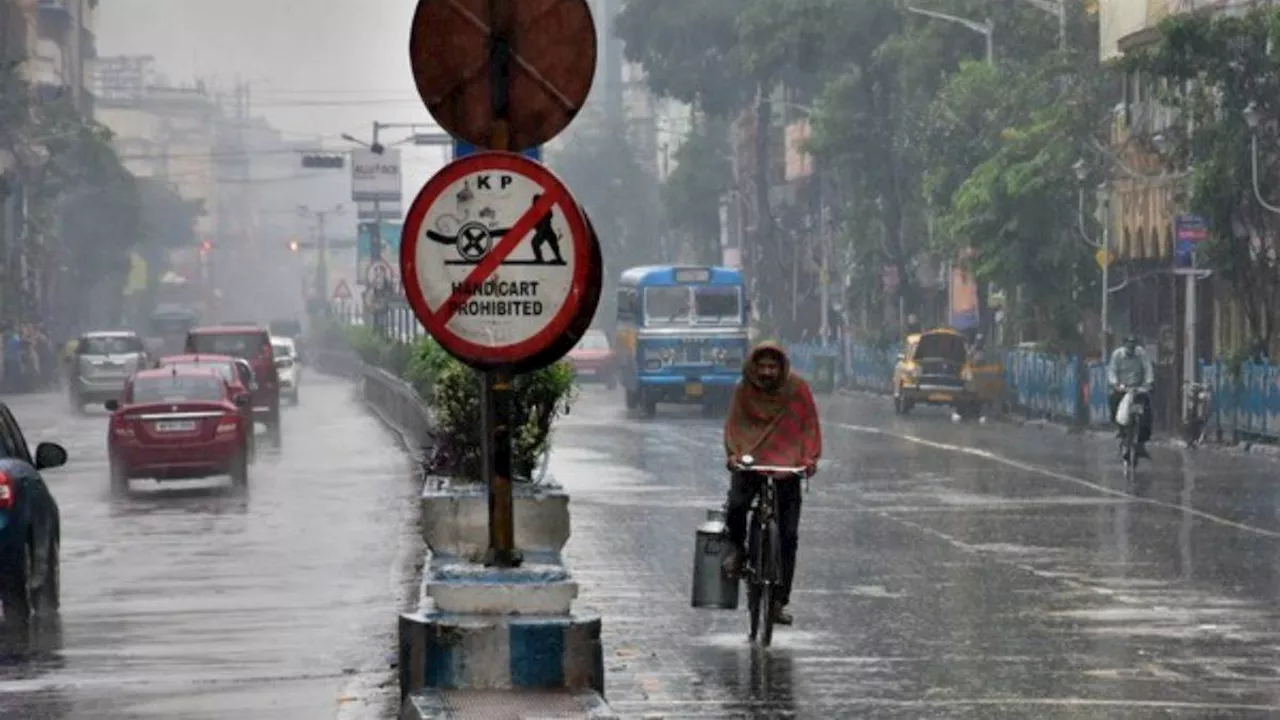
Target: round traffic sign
x=551, y=65
x=496, y=259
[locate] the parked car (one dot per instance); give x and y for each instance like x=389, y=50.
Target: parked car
x=933, y=370
x=288, y=366
x=235, y=371
x=177, y=424
x=254, y=345
x=101, y=364
x=30, y=527
x=592, y=358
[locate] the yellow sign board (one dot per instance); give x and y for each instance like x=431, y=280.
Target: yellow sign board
x=1102, y=256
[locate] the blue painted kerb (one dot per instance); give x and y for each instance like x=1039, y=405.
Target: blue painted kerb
x=537, y=654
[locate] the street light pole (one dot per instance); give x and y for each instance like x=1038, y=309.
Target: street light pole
x=986, y=28
x=1253, y=118
x=1057, y=8
x=376, y=246
x=322, y=250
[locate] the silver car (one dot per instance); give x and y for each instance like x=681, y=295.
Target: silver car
x=102, y=363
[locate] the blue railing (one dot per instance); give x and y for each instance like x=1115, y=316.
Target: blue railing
x=1246, y=401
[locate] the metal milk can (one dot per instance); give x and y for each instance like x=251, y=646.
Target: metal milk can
x=711, y=589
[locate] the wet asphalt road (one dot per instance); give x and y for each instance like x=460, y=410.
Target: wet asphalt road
x=945, y=571
x=192, y=601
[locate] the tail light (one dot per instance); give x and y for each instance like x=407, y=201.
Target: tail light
x=228, y=424
x=121, y=428
x=8, y=492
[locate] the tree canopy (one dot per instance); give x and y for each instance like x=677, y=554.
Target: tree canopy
x=930, y=151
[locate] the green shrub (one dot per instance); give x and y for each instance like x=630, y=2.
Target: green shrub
x=367, y=344
x=538, y=399
x=452, y=390
x=425, y=364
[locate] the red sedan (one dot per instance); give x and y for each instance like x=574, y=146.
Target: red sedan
x=177, y=424
x=593, y=358
x=235, y=371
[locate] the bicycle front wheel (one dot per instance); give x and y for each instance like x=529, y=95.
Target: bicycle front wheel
x=772, y=575
x=755, y=583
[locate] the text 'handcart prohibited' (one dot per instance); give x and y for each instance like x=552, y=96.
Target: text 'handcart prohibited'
x=496, y=258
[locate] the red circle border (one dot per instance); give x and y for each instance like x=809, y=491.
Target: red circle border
x=469, y=352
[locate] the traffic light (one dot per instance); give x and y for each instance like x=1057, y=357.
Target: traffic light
x=323, y=162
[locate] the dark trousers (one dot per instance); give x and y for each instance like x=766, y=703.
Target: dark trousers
x=1144, y=430
x=742, y=491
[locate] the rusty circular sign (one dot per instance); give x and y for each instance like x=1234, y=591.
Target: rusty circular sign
x=455, y=45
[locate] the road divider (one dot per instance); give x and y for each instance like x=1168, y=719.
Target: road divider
x=485, y=636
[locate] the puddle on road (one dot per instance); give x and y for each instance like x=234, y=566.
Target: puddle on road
x=783, y=639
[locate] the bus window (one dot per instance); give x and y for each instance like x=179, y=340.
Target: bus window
x=626, y=305
x=717, y=303
x=666, y=304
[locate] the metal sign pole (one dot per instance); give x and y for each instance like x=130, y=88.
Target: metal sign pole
x=495, y=392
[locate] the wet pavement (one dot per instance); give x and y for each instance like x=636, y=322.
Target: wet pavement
x=192, y=601
x=945, y=571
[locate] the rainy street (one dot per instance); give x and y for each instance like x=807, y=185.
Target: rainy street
x=957, y=571
x=191, y=601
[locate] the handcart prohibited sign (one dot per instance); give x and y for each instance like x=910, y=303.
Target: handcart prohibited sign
x=497, y=260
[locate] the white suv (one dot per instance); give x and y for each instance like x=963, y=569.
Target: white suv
x=286, y=354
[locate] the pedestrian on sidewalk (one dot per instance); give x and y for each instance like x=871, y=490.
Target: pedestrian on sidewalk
x=774, y=419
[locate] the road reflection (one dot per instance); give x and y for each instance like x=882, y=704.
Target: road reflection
x=757, y=682
x=204, y=500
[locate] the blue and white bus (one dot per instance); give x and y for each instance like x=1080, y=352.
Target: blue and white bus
x=681, y=335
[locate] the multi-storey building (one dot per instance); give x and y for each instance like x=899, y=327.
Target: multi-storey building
x=66, y=45
x=1145, y=201
x=167, y=132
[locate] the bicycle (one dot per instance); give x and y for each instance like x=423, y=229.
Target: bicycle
x=1130, y=431
x=763, y=567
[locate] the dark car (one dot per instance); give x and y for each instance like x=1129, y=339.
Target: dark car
x=177, y=424
x=30, y=528
x=253, y=344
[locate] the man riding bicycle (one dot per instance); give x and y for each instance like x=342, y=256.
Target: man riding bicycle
x=773, y=419
x=1130, y=368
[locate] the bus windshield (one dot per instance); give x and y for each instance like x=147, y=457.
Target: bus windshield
x=666, y=305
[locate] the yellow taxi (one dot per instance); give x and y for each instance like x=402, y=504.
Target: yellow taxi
x=933, y=369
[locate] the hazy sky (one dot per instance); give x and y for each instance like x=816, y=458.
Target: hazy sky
x=317, y=67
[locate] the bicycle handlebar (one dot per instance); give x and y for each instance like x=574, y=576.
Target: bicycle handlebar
x=770, y=469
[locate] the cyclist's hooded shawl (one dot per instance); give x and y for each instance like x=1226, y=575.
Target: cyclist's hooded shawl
x=776, y=425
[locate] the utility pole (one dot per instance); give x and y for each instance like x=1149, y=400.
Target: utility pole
x=322, y=250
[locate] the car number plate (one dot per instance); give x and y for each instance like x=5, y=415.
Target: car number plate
x=171, y=426
x=939, y=397
x=693, y=389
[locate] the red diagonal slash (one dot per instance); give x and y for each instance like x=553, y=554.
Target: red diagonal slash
x=500, y=252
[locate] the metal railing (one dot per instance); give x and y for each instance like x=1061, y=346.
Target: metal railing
x=1062, y=388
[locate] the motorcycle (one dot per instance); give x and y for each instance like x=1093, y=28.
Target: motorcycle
x=1199, y=398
